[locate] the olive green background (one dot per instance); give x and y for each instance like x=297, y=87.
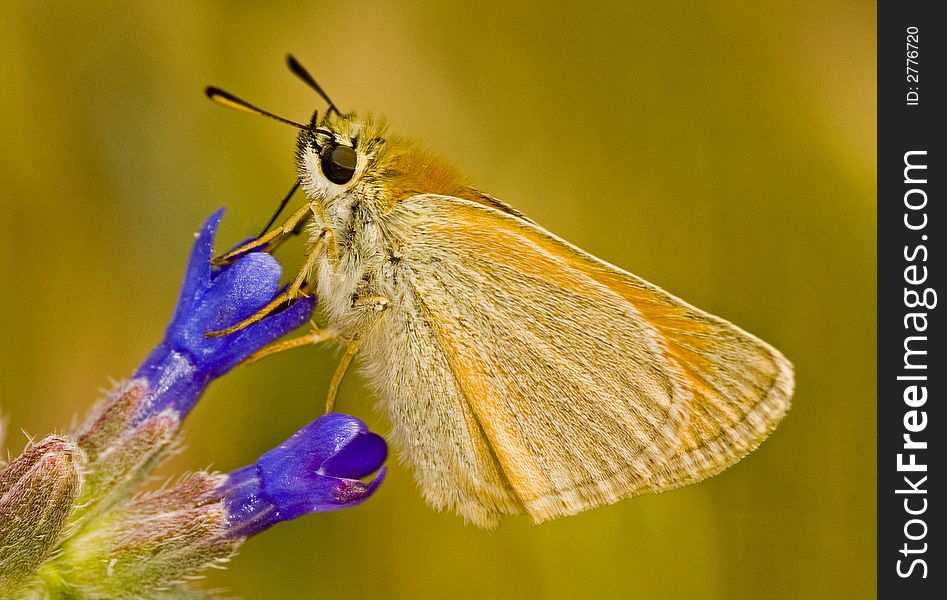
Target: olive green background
x=724, y=151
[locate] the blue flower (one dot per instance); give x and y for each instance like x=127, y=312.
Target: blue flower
x=180, y=368
x=106, y=538
x=318, y=469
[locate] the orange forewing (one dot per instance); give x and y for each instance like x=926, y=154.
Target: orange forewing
x=726, y=389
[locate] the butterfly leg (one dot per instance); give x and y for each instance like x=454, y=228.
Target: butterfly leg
x=350, y=351
x=297, y=289
x=373, y=303
x=315, y=336
x=270, y=240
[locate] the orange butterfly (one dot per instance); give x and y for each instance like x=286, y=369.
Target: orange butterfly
x=520, y=374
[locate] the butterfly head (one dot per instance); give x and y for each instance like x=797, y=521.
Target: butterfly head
x=348, y=159
x=342, y=157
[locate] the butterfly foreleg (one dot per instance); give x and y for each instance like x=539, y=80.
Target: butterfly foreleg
x=271, y=239
x=300, y=286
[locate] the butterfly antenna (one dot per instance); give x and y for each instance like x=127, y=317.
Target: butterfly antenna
x=282, y=205
x=230, y=101
x=301, y=72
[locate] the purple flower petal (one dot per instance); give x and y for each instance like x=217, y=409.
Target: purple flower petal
x=358, y=458
x=183, y=365
x=317, y=469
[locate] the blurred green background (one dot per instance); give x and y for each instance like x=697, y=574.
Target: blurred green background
x=722, y=150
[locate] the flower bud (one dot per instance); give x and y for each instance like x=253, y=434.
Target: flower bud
x=124, y=465
x=151, y=542
x=37, y=493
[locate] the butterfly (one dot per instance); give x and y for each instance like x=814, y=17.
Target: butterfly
x=520, y=374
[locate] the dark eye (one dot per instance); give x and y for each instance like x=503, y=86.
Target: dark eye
x=338, y=163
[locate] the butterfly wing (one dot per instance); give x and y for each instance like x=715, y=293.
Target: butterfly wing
x=588, y=383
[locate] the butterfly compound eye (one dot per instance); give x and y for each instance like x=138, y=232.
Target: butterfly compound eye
x=338, y=163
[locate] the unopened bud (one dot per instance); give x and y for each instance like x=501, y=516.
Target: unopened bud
x=37, y=493
x=120, y=468
x=150, y=543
